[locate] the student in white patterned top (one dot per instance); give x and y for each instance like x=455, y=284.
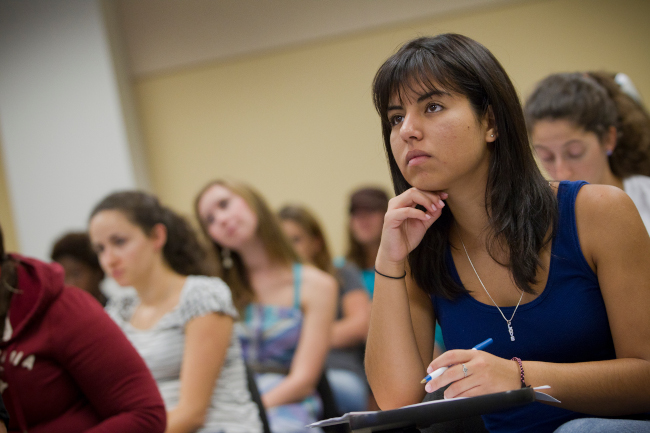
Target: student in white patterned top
x=180, y=321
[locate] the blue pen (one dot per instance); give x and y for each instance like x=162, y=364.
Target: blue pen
x=441, y=370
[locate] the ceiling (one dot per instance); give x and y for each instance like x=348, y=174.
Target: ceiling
x=165, y=35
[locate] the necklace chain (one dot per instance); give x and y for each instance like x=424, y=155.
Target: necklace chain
x=512, y=337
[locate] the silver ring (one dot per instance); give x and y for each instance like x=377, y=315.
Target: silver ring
x=464, y=370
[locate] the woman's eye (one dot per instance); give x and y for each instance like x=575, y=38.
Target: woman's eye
x=119, y=241
x=576, y=152
x=396, y=119
x=223, y=204
x=209, y=220
x=432, y=108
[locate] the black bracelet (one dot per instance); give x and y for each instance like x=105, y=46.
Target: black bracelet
x=388, y=276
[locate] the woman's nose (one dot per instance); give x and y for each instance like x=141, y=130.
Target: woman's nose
x=562, y=170
x=411, y=128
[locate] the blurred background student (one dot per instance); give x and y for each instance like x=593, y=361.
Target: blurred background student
x=367, y=209
x=344, y=364
x=75, y=254
x=180, y=320
x=287, y=308
x=585, y=127
x=65, y=365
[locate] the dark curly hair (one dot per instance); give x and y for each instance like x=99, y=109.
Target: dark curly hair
x=183, y=252
x=76, y=245
x=632, y=153
x=595, y=102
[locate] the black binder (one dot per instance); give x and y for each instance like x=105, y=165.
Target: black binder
x=422, y=415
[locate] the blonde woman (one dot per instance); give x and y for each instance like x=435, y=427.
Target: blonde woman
x=287, y=308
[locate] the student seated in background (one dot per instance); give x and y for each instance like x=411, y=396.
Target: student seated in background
x=287, y=308
x=555, y=273
x=585, y=127
x=367, y=209
x=75, y=254
x=344, y=363
x=180, y=320
x=65, y=365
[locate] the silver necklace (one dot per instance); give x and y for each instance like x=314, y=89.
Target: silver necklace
x=509, y=322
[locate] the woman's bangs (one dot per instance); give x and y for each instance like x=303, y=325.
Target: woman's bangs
x=416, y=73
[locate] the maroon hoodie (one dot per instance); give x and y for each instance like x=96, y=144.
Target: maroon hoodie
x=67, y=366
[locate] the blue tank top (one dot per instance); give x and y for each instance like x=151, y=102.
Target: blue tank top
x=566, y=323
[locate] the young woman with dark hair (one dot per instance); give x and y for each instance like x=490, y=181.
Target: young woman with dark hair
x=64, y=364
x=563, y=266
x=344, y=364
x=287, y=307
x=367, y=208
x=586, y=127
x=180, y=321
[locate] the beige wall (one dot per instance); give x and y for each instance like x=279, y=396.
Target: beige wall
x=299, y=124
x=6, y=219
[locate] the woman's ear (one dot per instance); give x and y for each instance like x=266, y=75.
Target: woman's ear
x=491, y=129
x=610, y=139
x=159, y=235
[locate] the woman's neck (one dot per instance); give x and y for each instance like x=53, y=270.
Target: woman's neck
x=161, y=283
x=610, y=179
x=470, y=216
x=254, y=256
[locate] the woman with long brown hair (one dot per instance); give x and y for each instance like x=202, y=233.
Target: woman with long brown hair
x=556, y=274
x=179, y=319
x=344, y=364
x=287, y=307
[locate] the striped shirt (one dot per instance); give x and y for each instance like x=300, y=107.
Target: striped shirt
x=231, y=408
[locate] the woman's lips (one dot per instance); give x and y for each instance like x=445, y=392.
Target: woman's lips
x=416, y=157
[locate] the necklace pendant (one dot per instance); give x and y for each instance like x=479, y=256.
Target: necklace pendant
x=511, y=331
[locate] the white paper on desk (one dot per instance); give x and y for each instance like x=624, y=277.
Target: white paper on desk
x=539, y=396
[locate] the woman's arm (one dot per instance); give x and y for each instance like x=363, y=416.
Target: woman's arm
x=207, y=339
x=352, y=328
x=401, y=336
x=318, y=296
x=617, y=247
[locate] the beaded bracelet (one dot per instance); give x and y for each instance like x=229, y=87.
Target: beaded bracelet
x=388, y=276
x=521, y=370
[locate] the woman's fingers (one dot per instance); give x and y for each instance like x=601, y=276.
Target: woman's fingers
x=413, y=197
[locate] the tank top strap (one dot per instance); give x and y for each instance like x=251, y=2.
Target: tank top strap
x=566, y=242
x=297, y=283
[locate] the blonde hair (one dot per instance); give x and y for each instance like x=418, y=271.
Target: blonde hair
x=276, y=245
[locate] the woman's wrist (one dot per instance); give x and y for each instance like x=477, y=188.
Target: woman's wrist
x=388, y=267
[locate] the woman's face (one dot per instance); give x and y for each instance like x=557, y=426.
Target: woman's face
x=227, y=217
x=303, y=243
x=366, y=225
x=125, y=252
x=436, y=139
x=568, y=152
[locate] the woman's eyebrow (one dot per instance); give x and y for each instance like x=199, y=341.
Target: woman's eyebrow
x=433, y=93
x=421, y=98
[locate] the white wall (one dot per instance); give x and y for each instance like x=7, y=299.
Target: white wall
x=64, y=135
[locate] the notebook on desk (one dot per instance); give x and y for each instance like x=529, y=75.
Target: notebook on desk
x=424, y=414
